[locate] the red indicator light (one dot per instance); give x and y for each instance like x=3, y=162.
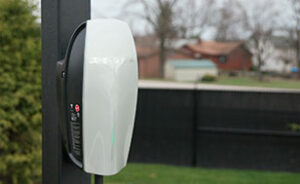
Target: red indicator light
x=77, y=108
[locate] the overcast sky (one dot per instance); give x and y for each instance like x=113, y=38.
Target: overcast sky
x=115, y=9
x=106, y=8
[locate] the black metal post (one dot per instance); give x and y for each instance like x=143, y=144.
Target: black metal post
x=98, y=179
x=59, y=20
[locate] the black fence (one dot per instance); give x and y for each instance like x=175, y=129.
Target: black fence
x=217, y=129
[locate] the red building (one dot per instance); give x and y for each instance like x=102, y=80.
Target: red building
x=229, y=56
x=149, y=62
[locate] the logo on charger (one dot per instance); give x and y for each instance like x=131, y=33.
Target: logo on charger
x=109, y=60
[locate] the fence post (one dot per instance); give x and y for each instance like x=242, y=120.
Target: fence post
x=195, y=125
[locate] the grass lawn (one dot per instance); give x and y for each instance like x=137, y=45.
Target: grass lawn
x=161, y=174
x=248, y=81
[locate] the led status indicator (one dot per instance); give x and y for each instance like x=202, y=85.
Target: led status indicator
x=77, y=109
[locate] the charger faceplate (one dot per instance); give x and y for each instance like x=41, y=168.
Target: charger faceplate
x=109, y=95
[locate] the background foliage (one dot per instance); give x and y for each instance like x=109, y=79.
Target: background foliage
x=20, y=93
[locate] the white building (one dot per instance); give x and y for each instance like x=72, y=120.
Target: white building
x=189, y=70
x=279, y=56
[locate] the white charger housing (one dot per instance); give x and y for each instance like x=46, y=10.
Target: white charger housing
x=109, y=96
x=98, y=122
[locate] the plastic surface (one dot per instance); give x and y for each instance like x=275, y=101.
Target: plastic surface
x=69, y=91
x=109, y=96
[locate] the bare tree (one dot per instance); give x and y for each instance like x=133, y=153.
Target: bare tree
x=173, y=18
x=296, y=16
x=230, y=23
x=159, y=14
x=261, y=21
x=193, y=17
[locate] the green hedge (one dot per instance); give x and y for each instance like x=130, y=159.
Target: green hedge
x=208, y=78
x=20, y=93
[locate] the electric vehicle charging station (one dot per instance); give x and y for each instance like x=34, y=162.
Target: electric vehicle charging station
x=59, y=21
x=97, y=94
